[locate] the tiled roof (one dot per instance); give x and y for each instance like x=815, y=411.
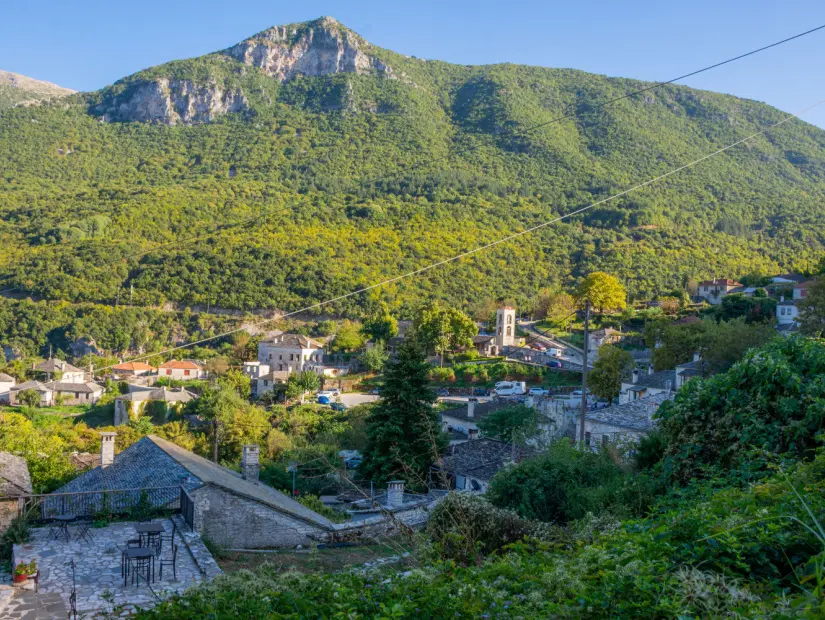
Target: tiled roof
x=482, y=339
x=181, y=365
x=481, y=411
x=56, y=365
x=793, y=277
x=6, y=378
x=787, y=302
x=720, y=281
x=275, y=376
x=82, y=388
x=636, y=415
x=481, y=458
x=804, y=284
x=133, y=366
x=84, y=460
x=601, y=333
x=14, y=476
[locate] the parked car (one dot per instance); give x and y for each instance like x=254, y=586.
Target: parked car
x=578, y=393
x=375, y=391
x=538, y=391
x=338, y=406
x=442, y=392
x=539, y=346
x=334, y=391
x=554, y=364
x=324, y=399
x=554, y=352
x=481, y=391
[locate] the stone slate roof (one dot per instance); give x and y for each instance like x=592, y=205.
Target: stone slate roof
x=29, y=385
x=793, y=277
x=295, y=341
x=14, y=476
x=56, y=365
x=481, y=458
x=787, y=302
x=481, y=411
x=658, y=380
x=161, y=394
x=275, y=376
x=82, y=388
x=603, y=333
x=636, y=415
x=155, y=462
x=6, y=378
x=482, y=339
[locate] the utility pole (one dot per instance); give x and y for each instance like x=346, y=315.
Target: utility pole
x=584, y=369
x=215, y=441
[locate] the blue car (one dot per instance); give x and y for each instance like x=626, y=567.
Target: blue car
x=324, y=400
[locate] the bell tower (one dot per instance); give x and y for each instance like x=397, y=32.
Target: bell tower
x=505, y=327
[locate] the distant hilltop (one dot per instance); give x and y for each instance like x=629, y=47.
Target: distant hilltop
x=16, y=89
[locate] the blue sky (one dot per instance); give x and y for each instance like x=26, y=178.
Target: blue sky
x=87, y=44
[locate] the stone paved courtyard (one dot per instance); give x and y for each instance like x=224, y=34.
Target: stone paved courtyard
x=100, y=586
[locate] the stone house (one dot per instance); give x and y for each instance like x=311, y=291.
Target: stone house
x=44, y=392
x=14, y=482
x=232, y=509
x=61, y=371
x=291, y=353
x=132, y=369
x=133, y=405
x=464, y=418
x=6, y=384
x=485, y=345
x=598, y=337
x=713, y=291
x=643, y=385
x=269, y=381
x=622, y=424
x=470, y=466
x=181, y=370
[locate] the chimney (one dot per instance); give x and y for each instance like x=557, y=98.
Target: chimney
x=471, y=407
x=395, y=493
x=635, y=378
x=668, y=385
x=107, y=449
x=249, y=463
x=472, y=433
x=696, y=357
x=781, y=299
x=650, y=369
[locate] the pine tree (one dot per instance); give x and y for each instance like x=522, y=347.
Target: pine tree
x=403, y=431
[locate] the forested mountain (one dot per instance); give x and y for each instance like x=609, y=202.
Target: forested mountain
x=309, y=163
x=18, y=89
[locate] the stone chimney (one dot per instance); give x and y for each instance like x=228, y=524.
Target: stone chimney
x=107, y=449
x=781, y=299
x=635, y=378
x=250, y=463
x=395, y=493
x=472, y=433
x=471, y=407
x=696, y=357
x=650, y=369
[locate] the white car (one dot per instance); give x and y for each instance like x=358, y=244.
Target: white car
x=554, y=352
x=510, y=388
x=578, y=393
x=538, y=391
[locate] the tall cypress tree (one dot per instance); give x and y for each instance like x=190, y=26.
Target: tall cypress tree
x=403, y=431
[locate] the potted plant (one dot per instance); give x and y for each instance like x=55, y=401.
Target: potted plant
x=21, y=572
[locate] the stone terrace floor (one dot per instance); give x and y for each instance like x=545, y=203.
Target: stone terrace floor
x=100, y=588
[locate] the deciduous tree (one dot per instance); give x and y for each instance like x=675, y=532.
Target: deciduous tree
x=604, y=291
x=812, y=309
x=611, y=366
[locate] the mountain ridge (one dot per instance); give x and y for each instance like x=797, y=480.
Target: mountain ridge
x=17, y=89
x=354, y=176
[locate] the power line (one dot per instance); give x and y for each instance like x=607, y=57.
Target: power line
x=492, y=244
x=224, y=227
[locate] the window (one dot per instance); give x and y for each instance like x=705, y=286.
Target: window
x=587, y=439
x=604, y=440
x=77, y=395
x=509, y=320
x=509, y=331
x=168, y=371
x=186, y=373
x=266, y=383
x=280, y=357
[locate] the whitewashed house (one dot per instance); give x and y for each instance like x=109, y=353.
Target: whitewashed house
x=61, y=371
x=132, y=405
x=715, y=290
x=181, y=370
x=6, y=383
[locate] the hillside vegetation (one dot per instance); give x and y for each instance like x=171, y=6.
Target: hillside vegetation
x=323, y=184
x=16, y=89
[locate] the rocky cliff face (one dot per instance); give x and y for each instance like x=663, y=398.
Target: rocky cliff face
x=318, y=48
x=171, y=102
x=323, y=47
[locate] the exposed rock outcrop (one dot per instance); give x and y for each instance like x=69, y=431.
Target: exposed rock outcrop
x=172, y=102
x=322, y=47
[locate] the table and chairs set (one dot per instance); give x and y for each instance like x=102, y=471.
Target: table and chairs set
x=153, y=548
x=59, y=528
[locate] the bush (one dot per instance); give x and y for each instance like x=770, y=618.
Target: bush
x=560, y=485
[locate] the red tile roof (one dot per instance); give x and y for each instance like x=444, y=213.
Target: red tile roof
x=134, y=366
x=180, y=365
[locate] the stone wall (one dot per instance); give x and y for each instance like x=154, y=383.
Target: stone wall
x=235, y=522
x=8, y=511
